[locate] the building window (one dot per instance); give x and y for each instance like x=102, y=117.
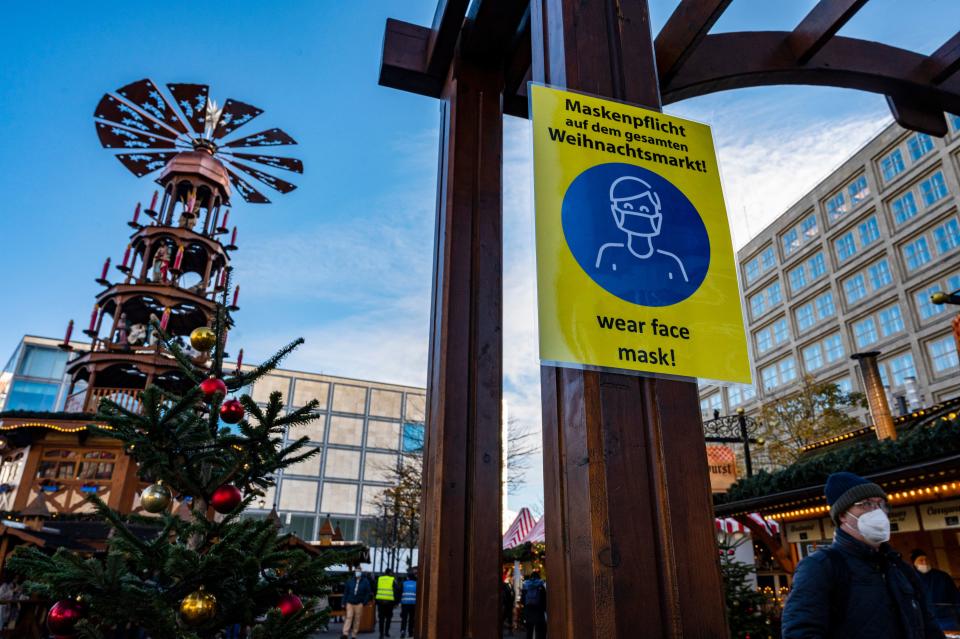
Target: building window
x=880, y=275
x=798, y=278
x=855, y=288
x=919, y=145
x=897, y=369
x=757, y=305
x=825, y=306
x=954, y=121
x=29, y=395
x=947, y=236
x=781, y=331
x=845, y=247
x=791, y=241
x=779, y=373
x=833, y=347
x=752, y=270
x=764, y=339
x=916, y=253
x=904, y=207
x=933, y=189
x=413, y=437
x=865, y=332
x=943, y=354
x=925, y=307
x=710, y=404
x=891, y=320
x=891, y=165
x=805, y=317
x=817, y=265
x=42, y=362
x=738, y=394
x=836, y=207
x=858, y=190
x=768, y=259
x=844, y=384
x=812, y=357
x=869, y=232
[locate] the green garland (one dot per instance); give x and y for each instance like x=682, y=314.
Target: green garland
x=938, y=440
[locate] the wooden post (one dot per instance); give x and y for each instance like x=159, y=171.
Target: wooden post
x=460, y=533
x=630, y=541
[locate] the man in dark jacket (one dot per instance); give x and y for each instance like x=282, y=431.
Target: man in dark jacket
x=943, y=598
x=535, y=606
x=858, y=587
x=357, y=592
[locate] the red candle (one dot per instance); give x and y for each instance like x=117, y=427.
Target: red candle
x=236, y=294
x=214, y=227
x=153, y=202
x=136, y=213
x=239, y=360
x=191, y=202
x=93, y=317
x=223, y=278
x=66, y=338
x=233, y=238
x=178, y=259
x=165, y=319
x=126, y=254
x=106, y=267
x=226, y=216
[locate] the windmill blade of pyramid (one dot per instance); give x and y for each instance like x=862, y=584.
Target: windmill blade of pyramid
x=272, y=181
x=287, y=164
x=145, y=95
x=114, y=136
x=272, y=137
x=141, y=164
x=247, y=192
x=116, y=111
x=191, y=99
x=233, y=116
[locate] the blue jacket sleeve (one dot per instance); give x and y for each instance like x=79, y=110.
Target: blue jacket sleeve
x=806, y=614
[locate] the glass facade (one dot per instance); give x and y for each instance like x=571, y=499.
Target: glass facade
x=37, y=369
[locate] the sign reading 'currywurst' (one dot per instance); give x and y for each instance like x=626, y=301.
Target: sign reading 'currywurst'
x=941, y=514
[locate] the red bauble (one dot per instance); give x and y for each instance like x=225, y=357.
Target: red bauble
x=211, y=386
x=231, y=411
x=226, y=498
x=63, y=617
x=289, y=604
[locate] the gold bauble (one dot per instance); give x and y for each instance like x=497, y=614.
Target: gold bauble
x=155, y=498
x=198, y=607
x=203, y=338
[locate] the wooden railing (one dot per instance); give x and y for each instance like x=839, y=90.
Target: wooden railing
x=88, y=400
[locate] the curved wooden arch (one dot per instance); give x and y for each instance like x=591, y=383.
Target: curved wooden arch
x=718, y=64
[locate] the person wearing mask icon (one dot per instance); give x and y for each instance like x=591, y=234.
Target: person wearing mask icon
x=943, y=598
x=636, y=212
x=858, y=586
x=357, y=592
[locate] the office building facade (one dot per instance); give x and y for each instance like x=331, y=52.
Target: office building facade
x=850, y=268
x=363, y=432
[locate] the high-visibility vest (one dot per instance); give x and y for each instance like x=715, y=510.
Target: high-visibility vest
x=385, y=588
x=409, y=595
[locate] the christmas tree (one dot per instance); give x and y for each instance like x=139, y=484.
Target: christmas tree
x=204, y=568
x=746, y=613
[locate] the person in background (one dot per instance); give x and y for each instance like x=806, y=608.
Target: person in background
x=506, y=605
x=357, y=592
x=535, y=606
x=408, y=603
x=943, y=598
x=387, y=596
x=857, y=587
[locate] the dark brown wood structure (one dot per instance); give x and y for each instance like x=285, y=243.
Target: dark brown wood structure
x=629, y=531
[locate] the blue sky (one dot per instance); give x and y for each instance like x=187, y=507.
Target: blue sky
x=345, y=260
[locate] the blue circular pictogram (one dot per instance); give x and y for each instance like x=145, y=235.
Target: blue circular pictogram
x=635, y=234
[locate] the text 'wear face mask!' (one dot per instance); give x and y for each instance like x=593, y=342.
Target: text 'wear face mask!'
x=874, y=526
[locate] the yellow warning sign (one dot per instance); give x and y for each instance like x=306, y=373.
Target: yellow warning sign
x=635, y=266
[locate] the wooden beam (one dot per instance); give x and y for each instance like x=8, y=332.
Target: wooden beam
x=942, y=63
x=403, y=63
x=460, y=538
x=821, y=24
x=493, y=29
x=718, y=64
x=444, y=34
x=685, y=28
x=916, y=116
x=626, y=491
